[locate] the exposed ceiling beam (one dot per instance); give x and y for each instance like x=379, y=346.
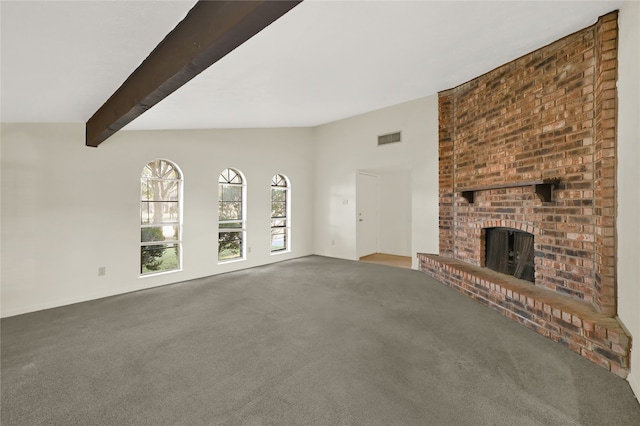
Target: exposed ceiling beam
x=210, y=30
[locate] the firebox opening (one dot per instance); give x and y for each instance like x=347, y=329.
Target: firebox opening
x=510, y=252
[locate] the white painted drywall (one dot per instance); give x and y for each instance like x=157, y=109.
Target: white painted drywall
x=628, y=221
x=68, y=209
x=345, y=146
x=394, y=213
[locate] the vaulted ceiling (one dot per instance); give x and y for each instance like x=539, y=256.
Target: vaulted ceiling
x=320, y=62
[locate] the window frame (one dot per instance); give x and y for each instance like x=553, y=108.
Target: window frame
x=167, y=242
x=238, y=180
x=280, y=182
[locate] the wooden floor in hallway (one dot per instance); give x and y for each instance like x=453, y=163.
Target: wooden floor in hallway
x=388, y=259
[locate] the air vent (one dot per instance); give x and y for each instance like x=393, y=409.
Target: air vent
x=389, y=138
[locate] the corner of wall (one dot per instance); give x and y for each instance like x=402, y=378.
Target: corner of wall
x=628, y=135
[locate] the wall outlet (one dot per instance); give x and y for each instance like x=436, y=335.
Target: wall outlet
x=102, y=270
x=333, y=242
x=248, y=249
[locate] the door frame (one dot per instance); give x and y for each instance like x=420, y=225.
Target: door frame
x=359, y=194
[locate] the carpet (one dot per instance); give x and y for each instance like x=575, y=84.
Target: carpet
x=309, y=341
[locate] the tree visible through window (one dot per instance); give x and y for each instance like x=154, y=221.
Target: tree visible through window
x=280, y=226
x=231, y=223
x=160, y=217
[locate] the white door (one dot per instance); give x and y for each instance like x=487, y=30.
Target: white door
x=366, y=214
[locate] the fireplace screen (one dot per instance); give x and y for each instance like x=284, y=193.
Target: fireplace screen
x=510, y=252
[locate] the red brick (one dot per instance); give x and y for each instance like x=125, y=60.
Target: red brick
x=596, y=358
x=576, y=321
x=619, y=371
x=518, y=123
x=616, y=348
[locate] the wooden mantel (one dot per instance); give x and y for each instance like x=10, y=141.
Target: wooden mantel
x=542, y=187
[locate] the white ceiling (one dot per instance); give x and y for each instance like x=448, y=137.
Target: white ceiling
x=322, y=61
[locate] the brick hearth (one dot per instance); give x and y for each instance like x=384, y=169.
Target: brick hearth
x=531, y=146
x=563, y=319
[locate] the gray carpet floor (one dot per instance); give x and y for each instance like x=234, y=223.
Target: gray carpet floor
x=310, y=341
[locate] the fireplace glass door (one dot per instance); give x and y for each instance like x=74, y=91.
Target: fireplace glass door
x=510, y=252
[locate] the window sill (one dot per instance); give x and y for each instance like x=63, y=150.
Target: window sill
x=224, y=262
x=155, y=274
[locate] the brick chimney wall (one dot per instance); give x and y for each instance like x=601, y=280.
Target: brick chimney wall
x=549, y=114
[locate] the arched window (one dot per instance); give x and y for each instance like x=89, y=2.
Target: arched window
x=160, y=217
x=231, y=215
x=280, y=214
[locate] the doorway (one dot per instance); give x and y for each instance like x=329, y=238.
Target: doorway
x=366, y=214
x=383, y=214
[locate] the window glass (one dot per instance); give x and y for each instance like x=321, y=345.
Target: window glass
x=160, y=217
x=229, y=245
x=280, y=228
x=231, y=223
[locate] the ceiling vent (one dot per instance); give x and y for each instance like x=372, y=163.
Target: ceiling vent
x=389, y=138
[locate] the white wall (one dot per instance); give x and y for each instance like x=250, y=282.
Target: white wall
x=628, y=221
x=345, y=146
x=68, y=209
x=394, y=213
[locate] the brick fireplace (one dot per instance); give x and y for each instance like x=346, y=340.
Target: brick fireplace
x=531, y=147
